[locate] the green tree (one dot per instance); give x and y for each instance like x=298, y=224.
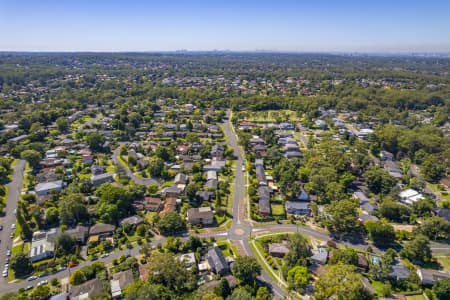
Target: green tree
x=380, y=233
x=171, y=223
x=263, y=294
x=340, y=282
x=299, y=251
x=32, y=157
x=78, y=277
x=344, y=216
x=166, y=269
x=21, y=264
x=417, y=249
x=65, y=245
x=95, y=141
x=432, y=168
x=346, y=256
x=246, y=269
x=441, y=289
x=379, y=181
x=156, y=167
x=52, y=216
x=41, y=292
x=240, y=294
x=298, y=278
x=435, y=228
x=62, y=124
x=223, y=289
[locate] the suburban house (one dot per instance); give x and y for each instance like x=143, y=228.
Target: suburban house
x=321, y=256
x=43, y=244
x=188, y=259
x=100, y=231
x=217, y=261
x=442, y=212
x=120, y=282
x=45, y=188
x=399, y=271
x=88, y=290
x=80, y=233
x=180, y=178
x=297, y=208
x=169, y=205
x=278, y=249
x=171, y=191
x=133, y=220
x=152, y=204
x=97, y=170
x=264, y=200
x=385, y=155
x=409, y=196
x=100, y=179
x=200, y=215
x=429, y=277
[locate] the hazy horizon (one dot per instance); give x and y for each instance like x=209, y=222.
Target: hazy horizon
x=252, y=26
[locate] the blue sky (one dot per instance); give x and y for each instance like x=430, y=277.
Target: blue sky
x=279, y=25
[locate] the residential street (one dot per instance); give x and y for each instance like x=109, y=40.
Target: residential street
x=239, y=233
x=14, y=190
x=142, y=181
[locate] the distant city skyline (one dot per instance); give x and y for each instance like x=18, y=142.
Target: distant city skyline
x=279, y=26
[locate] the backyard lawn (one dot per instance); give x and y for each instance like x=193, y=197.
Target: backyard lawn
x=278, y=210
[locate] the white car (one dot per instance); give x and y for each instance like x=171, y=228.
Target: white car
x=13, y=226
x=5, y=273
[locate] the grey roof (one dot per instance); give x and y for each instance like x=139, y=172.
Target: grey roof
x=320, y=257
x=399, y=271
x=101, y=228
x=211, y=184
x=264, y=200
x=360, y=196
x=133, y=220
x=217, y=260
x=296, y=207
x=62, y=296
x=46, y=186
x=92, y=288
x=442, y=212
x=363, y=218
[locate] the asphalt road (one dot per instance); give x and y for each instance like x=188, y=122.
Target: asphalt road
x=239, y=233
x=14, y=190
x=129, y=173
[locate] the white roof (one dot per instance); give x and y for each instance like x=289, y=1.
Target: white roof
x=408, y=193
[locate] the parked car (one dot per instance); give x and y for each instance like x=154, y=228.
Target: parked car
x=8, y=253
x=5, y=273
x=29, y=287
x=31, y=278
x=1, y=227
x=104, y=255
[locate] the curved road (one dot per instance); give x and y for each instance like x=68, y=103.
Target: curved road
x=239, y=233
x=129, y=173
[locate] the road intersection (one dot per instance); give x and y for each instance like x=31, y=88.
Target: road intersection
x=240, y=232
